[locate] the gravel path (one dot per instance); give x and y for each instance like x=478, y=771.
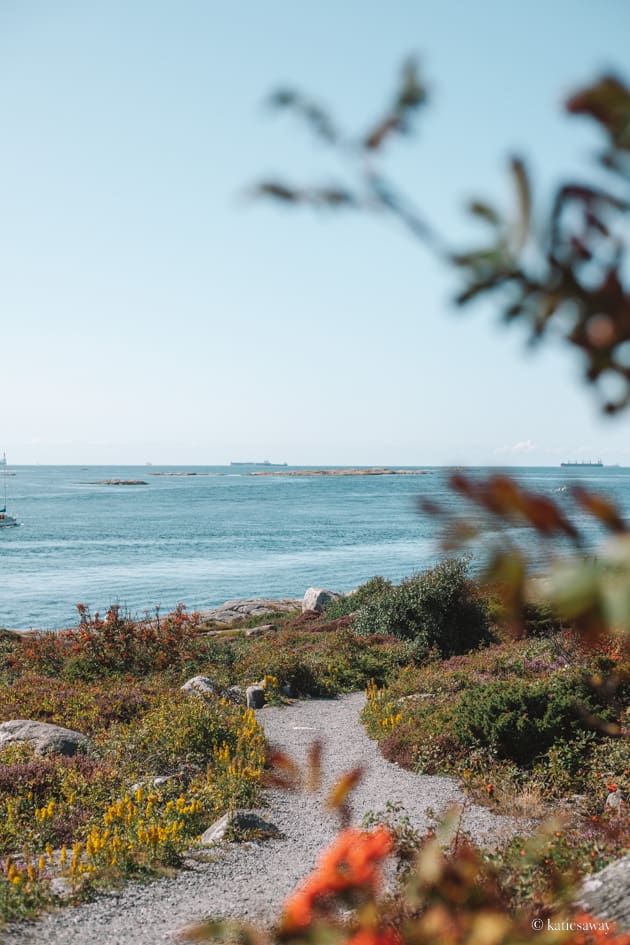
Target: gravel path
x=251, y=880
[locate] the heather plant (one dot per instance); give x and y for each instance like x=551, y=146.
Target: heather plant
x=86, y=707
x=114, y=644
x=79, y=818
x=522, y=723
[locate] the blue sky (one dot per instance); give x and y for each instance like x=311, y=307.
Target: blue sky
x=148, y=312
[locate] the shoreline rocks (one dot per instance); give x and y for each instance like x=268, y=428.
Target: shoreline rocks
x=241, y=609
x=227, y=613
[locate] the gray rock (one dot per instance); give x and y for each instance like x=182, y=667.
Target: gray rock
x=200, y=685
x=61, y=887
x=235, y=822
x=607, y=894
x=255, y=697
x=235, y=694
x=613, y=801
x=216, y=832
x=43, y=737
x=287, y=690
x=261, y=630
x=316, y=598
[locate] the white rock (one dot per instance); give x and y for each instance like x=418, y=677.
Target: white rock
x=316, y=598
x=238, y=820
x=199, y=685
x=217, y=831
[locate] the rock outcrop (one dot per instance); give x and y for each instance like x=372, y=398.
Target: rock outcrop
x=374, y=471
x=607, y=894
x=43, y=737
x=234, y=610
x=260, y=630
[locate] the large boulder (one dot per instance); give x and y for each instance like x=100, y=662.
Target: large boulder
x=316, y=598
x=43, y=737
x=607, y=894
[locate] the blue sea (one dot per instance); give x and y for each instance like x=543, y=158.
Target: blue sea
x=220, y=534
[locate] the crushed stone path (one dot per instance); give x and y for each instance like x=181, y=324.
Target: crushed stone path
x=251, y=880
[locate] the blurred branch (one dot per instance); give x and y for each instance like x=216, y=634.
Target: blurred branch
x=563, y=266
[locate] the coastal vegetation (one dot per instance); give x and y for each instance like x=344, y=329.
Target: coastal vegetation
x=525, y=724
x=162, y=764
x=536, y=721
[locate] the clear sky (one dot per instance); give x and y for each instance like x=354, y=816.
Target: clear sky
x=150, y=314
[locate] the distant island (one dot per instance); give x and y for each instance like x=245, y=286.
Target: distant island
x=117, y=482
x=345, y=472
x=184, y=473
x=264, y=462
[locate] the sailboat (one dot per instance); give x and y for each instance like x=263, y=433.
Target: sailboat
x=6, y=520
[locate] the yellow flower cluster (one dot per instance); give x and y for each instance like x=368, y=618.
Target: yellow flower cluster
x=381, y=710
x=271, y=685
x=21, y=877
x=45, y=813
x=235, y=771
x=141, y=830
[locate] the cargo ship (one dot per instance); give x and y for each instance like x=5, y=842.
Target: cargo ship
x=583, y=463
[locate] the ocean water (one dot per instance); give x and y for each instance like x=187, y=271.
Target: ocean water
x=220, y=534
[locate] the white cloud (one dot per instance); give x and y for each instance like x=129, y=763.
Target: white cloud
x=523, y=446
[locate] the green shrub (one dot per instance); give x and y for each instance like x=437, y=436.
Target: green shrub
x=438, y=609
x=180, y=731
x=319, y=660
x=521, y=720
x=367, y=593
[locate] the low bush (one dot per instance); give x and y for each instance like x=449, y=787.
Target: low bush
x=439, y=609
x=86, y=707
x=319, y=660
x=179, y=732
x=509, y=720
x=49, y=800
x=521, y=720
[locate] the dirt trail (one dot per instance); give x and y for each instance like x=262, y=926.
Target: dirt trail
x=251, y=880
